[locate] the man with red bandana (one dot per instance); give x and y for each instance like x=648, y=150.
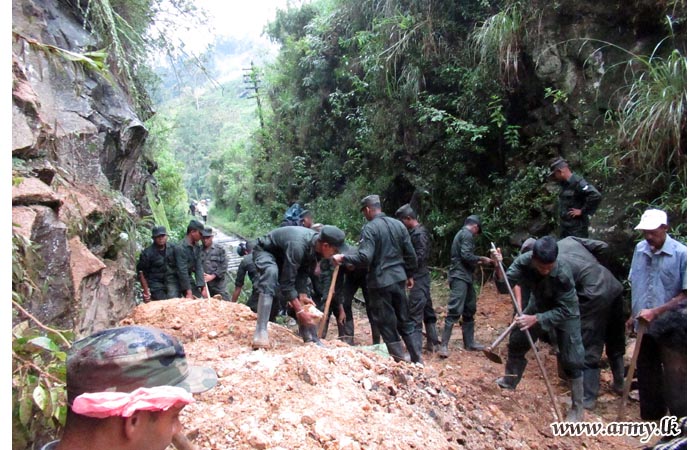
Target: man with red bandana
x=126, y=387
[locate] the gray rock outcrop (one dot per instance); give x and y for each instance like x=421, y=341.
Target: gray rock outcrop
x=78, y=173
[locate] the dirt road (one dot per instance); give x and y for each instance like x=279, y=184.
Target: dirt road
x=300, y=396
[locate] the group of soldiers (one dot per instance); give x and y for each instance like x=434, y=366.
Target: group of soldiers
x=565, y=293
x=184, y=269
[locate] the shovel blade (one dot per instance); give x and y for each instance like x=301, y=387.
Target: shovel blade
x=493, y=356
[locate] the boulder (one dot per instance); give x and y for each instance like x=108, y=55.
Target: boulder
x=32, y=191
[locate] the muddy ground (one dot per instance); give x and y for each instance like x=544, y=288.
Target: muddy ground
x=301, y=396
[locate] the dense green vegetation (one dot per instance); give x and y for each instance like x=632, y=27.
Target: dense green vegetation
x=436, y=103
x=454, y=106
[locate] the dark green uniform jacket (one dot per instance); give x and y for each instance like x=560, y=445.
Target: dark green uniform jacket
x=160, y=268
x=294, y=251
x=463, y=261
x=246, y=267
x=596, y=286
x=215, y=262
x=386, y=251
x=580, y=194
x=553, y=297
x=192, y=255
x=420, y=238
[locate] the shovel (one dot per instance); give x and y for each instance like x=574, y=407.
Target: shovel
x=519, y=312
x=329, y=297
x=642, y=327
x=488, y=351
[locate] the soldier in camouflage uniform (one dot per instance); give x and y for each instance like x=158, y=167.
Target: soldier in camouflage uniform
x=578, y=200
x=126, y=387
x=246, y=267
x=462, y=301
x=214, y=264
x=553, y=305
x=159, y=269
x=190, y=252
x=387, y=253
x=285, y=258
x=420, y=305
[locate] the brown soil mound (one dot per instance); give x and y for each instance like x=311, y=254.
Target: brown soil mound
x=301, y=396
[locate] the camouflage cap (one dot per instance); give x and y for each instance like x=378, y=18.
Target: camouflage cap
x=207, y=232
x=370, y=200
x=158, y=231
x=126, y=358
x=405, y=211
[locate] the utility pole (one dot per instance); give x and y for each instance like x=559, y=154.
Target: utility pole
x=252, y=78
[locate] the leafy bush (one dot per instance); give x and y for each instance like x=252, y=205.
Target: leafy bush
x=498, y=42
x=517, y=202
x=38, y=357
x=653, y=113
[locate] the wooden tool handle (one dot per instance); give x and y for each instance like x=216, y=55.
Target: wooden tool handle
x=331, y=291
x=181, y=442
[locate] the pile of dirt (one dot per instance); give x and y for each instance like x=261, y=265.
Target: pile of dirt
x=302, y=396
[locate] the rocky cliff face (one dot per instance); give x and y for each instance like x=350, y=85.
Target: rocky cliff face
x=574, y=69
x=78, y=172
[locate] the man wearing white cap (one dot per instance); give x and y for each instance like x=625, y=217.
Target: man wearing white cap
x=659, y=283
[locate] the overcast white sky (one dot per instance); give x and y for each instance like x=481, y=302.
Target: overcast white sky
x=238, y=18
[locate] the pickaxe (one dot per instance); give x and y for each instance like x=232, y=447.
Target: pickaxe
x=329, y=297
x=488, y=351
x=519, y=313
x=642, y=327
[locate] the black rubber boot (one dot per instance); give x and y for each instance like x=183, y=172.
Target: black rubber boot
x=348, y=332
x=413, y=345
x=560, y=369
x=432, y=341
x=617, y=367
x=591, y=386
x=514, y=372
x=260, y=338
x=446, y=334
x=376, y=335
x=576, y=412
x=468, y=337
x=309, y=334
x=397, y=352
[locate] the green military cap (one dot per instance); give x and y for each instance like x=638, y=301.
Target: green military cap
x=557, y=163
x=127, y=358
x=332, y=235
x=207, y=232
x=474, y=219
x=158, y=231
x=195, y=225
x=370, y=200
x=405, y=211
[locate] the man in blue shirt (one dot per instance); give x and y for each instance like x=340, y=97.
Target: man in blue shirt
x=659, y=284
